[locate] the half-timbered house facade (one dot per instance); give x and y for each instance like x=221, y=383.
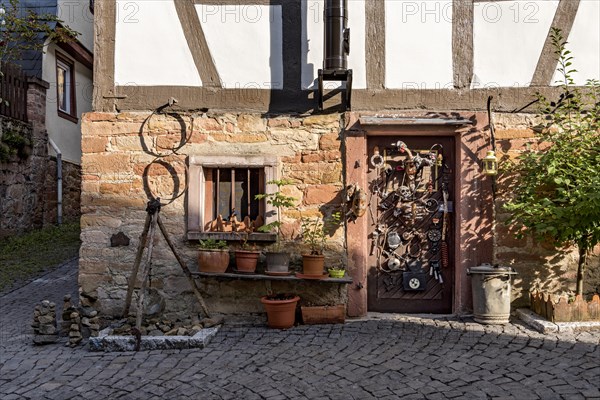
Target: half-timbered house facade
x=190, y=90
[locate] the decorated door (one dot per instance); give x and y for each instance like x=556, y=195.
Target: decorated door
x=411, y=187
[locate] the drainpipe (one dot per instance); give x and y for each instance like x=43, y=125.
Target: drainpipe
x=337, y=35
x=58, y=180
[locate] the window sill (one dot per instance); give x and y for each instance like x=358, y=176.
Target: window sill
x=230, y=236
x=69, y=117
x=260, y=277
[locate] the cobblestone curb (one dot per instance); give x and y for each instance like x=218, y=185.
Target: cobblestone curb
x=108, y=343
x=542, y=325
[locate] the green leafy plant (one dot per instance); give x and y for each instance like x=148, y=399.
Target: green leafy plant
x=212, y=244
x=557, y=190
x=11, y=143
x=280, y=201
x=315, y=231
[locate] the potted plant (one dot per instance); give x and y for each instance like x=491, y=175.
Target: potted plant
x=314, y=235
x=281, y=309
x=277, y=261
x=213, y=256
x=246, y=258
x=336, y=272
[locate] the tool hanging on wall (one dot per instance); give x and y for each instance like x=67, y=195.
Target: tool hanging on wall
x=147, y=238
x=407, y=192
x=356, y=201
x=444, y=246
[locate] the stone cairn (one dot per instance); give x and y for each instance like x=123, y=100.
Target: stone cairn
x=44, y=323
x=71, y=322
x=79, y=323
x=90, y=321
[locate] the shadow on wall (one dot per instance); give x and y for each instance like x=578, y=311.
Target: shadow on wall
x=541, y=266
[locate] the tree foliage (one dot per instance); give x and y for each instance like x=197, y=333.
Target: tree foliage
x=22, y=29
x=557, y=195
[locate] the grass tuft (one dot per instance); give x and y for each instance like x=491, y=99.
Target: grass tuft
x=24, y=256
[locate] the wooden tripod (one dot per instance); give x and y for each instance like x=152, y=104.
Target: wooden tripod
x=147, y=237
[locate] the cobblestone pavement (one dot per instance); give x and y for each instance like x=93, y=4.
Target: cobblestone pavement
x=398, y=357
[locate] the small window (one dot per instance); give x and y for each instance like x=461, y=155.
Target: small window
x=221, y=195
x=65, y=88
x=231, y=193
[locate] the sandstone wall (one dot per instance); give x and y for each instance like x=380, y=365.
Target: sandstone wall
x=120, y=171
x=539, y=265
x=119, y=148
x=22, y=178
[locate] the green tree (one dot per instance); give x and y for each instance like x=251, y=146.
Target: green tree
x=22, y=29
x=557, y=194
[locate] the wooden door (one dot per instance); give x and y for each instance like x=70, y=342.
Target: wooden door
x=411, y=261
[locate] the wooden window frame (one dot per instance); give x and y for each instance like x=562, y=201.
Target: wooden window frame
x=197, y=192
x=72, y=114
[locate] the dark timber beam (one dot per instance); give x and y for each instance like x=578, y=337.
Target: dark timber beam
x=375, y=39
x=563, y=20
x=186, y=11
x=104, y=58
x=462, y=43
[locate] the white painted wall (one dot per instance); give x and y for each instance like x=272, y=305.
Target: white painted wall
x=76, y=15
x=66, y=134
x=508, y=40
x=246, y=44
x=418, y=44
x=150, y=48
x=584, y=43
x=313, y=42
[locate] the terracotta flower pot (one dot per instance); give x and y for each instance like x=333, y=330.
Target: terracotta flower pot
x=313, y=264
x=281, y=314
x=213, y=260
x=245, y=261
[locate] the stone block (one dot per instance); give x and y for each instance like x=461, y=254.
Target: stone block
x=98, y=116
x=105, y=163
x=126, y=143
x=45, y=339
x=46, y=319
x=251, y=123
x=207, y=125
x=47, y=329
x=278, y=122
x=322, y=194
x=323, y=120
x=91, y=220
x=108, y=128
x=329, y=155
x=523, y=133
x=90, y=144
x=330, y=141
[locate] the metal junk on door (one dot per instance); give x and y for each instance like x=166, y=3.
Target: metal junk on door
x=409, y=210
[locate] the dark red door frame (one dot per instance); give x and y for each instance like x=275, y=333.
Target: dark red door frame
x=473, y=229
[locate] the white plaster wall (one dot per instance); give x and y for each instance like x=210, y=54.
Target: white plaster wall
x=313, y=41
x=508, y=37
x=76, y=15
x=246, y=44
x=584, y=43
x=150, y=48
x=66, y=134
x=418, y=44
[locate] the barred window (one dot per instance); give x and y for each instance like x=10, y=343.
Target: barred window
x=222, y=191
